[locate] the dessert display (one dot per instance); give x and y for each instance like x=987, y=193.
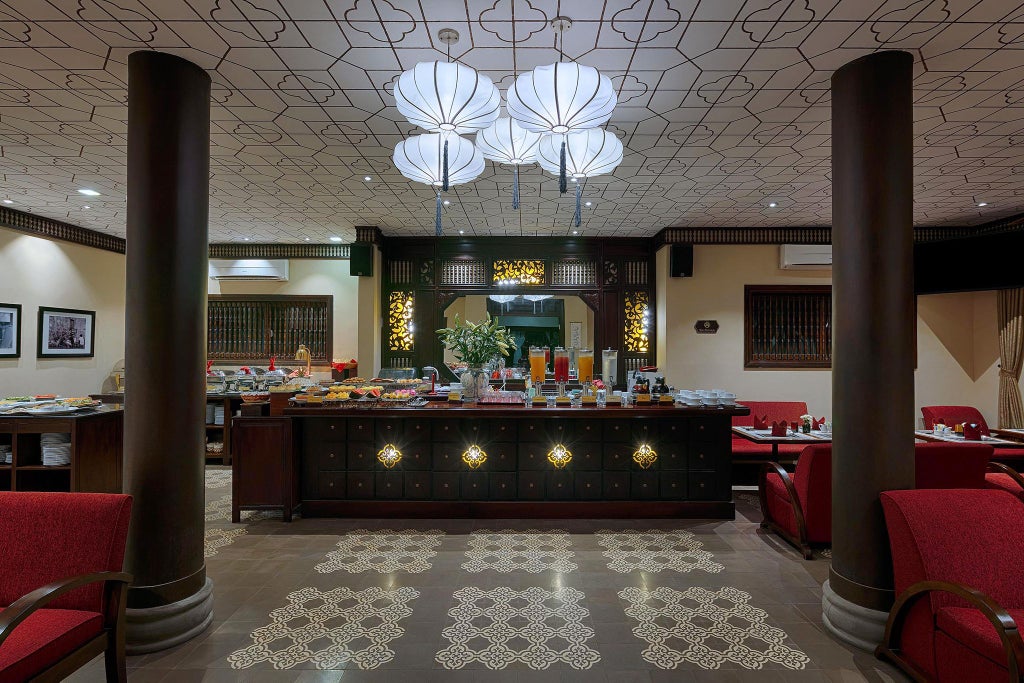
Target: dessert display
x=255, y=396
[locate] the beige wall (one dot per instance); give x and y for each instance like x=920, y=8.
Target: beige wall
x=957, y=336
x=311, y=276
x=37, y=272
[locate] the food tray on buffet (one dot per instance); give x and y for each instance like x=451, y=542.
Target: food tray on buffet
x=48, y=405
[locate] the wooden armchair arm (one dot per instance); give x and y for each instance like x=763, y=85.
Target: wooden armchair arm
x=1005, y=626
x=787, y=481
x=115, y=583
x=1009, y=471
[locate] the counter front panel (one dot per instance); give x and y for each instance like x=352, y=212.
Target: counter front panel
x=342, y=474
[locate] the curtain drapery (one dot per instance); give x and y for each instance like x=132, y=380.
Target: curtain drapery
x=1011, y=357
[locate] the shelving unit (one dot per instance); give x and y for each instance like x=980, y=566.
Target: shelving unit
x=231, y=403
x=96, y=452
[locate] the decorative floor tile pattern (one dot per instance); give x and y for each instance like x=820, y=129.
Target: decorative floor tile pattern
x=825, y=553
x=216, y=538
x=654, y=551
x=216, y=479
x=749, y=498
x=366, y=551
x=523, y=551
x=711, y=627
x=534, y=627
x=219, y=510
x=330, y=629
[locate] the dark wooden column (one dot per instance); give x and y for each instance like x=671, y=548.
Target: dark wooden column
x=170, y=600
x=873, y=333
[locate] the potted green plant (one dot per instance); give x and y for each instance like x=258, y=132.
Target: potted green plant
x=476, y=344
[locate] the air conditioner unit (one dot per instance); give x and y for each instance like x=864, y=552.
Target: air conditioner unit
x=249, y=269
x=805, y=256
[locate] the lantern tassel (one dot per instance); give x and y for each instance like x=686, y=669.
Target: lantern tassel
x=576, y=216
x=444, y=171
x=561, y=171
x=515, y=187
x=437, y=216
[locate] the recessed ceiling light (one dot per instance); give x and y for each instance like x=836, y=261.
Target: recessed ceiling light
x=335, y=239
x=246, y=239
x=86, y=207
x=307, y=239
x=367, y=178
x=772, y=205
x=982, y=203
x=462, y=232
x=587, y=203
x=446, y=202
x=8, y=201
x=89, y=193
x=575, y=232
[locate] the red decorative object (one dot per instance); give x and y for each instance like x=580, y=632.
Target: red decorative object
x=956, y=564
x=818, y=424
x=61, y=585
x=272, y=366
x=972, y=431
x=209, y=364
x=780, y=428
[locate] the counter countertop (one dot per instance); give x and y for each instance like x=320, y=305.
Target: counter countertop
x=511, y=410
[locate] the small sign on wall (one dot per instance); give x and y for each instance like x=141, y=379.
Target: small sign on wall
x=706, y=326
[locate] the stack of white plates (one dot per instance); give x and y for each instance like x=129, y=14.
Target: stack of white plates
x=56, y=449
x=218, y=414
x=6, y=454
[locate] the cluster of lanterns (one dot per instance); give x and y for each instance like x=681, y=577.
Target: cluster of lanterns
x=554, y=114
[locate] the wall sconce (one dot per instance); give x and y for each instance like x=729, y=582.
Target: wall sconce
x=389, y=456
x=559, y=456
x=645, y=456
x=474, y=456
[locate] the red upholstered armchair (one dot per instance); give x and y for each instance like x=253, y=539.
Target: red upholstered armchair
x=1005, y=478
x=957, y=561
x=61, y=586
x=798, y=507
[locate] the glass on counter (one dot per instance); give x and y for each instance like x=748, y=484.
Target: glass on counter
x=585, y=365
x=610, y=367
x=538, y=365
x=561, y=365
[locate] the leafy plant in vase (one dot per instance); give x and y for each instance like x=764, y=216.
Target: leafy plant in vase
x=476, y=344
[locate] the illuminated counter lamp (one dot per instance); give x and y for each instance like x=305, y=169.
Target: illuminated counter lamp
x=559, y=456
x=645, y=456
x=389, y=456
x=474, y=456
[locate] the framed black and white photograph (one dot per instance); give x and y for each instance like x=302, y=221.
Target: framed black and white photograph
x=66, y=333
x=10, y=331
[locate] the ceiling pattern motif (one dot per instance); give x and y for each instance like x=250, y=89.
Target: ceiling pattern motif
x=723, y=108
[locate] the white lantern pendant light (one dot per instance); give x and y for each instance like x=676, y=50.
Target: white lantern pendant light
x=505, y=142
x=582, y=155
x=447, y=98
x=561, y=98
x=423, y=159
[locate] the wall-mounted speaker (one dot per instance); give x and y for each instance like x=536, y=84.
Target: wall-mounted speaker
x=681, y=260
x=360, y=260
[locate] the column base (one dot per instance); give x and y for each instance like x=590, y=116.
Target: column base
x=861, y=627
x=150, y=629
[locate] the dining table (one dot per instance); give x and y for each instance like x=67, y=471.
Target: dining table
x=764, y=436
x=1011, y=434
x=995, y=441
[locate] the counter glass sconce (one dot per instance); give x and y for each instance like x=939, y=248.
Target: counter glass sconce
x=474, y=456
x=645, y=456
x=389, y=456
x=559, y=456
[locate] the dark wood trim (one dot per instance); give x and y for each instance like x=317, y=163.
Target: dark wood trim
x=429, y=509
x=326, y=299
x=53, y=229
x=799, y=541
x=1009, y=634
x=369, y=234
x=280, y=251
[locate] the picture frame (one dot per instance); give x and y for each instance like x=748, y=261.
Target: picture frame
x=10, y=331
x=65, y=333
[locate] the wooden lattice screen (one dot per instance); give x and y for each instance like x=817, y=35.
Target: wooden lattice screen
x=252, y=328
x=788, y=326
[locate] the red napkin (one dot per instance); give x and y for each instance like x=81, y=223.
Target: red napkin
x=938, y=421
x=272, y=367
x=209, y=364
x=780, y=428
x=818, y=424
x=972, y=432
x=760, y=422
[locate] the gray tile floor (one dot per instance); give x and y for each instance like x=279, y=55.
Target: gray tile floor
x=621, y=601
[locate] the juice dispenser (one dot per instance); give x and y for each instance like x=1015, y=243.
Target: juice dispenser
x=610, y=367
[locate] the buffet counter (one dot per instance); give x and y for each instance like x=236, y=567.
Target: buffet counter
x=343, y=456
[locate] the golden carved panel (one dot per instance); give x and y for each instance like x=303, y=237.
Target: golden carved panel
x=518, y=272
x=638, y=315
x=400, y=326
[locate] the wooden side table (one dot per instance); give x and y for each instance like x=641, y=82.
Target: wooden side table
x=264, y=466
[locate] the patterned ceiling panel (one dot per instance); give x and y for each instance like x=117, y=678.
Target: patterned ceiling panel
x=723, y=108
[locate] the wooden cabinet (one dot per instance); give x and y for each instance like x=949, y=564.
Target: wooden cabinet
x=264, y=473
x=96, y=452
x=342, y=475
